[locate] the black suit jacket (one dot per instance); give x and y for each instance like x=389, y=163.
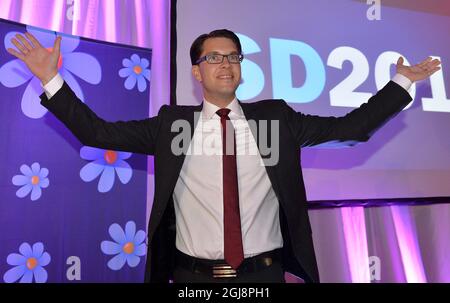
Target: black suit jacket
x=153, y=136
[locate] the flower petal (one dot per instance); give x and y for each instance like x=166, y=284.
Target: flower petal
x=146, y=74
x=40, y=275
x=84, y=66
x=117, y=262
x=43, y=173
x=130, y=231
x=127, y=62
x=26, y=170
x=68, y=43
x=142, y=84
x=14, y=274
x=20, y=180
x=116, y=232
x=125, y=72
x=133, y=260
x=45, y=37
x=123, y=155
x=24, y=190
x=135, y=59
x=45, y=259
x=16, y=259
x=72, y=82
x=106, y=180
x=14, y=73
x=141, y=250
x=25, y=250
x=144, y=63
x=110, y=248
x=91, y=153
x=124, y=171
x=31, y=105
x=43, y=183
x=139, y=237
x=7, y=40
x=36, y=193
x=91, y=170
x=27, y=277
x=130, y=82
x=35, y=168
x=38, y=249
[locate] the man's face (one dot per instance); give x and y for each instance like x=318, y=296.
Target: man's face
x=219, y=81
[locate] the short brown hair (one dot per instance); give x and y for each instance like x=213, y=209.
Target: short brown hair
x=197, y=45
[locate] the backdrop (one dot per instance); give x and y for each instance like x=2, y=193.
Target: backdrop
x=327, y=57
x=142, y=23
x=65, y=205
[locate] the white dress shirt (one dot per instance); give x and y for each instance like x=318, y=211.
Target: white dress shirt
x=198, y=193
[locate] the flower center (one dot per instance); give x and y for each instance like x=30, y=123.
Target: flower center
x=128, y=248
x=110, y=156
x=31, y=263
x=50, y=49
x=137, y=69
x=34, y=180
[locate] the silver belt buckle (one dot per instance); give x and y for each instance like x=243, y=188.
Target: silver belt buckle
x=224, y=271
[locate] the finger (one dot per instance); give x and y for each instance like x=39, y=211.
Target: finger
x=435, y=62
x=431, y=65
x=426, y=61
x=33, y=39
x=423, y=63
x=24, y=42
x=436, y=69
x=57, y=45
x=16, y=54
x=400, y=61
x=19, y=46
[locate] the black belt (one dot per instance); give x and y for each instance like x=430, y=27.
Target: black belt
x=220, y=269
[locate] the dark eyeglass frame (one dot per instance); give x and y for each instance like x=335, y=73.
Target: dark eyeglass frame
x=207, y=58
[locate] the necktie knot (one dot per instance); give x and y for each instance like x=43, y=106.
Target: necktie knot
x=223, y=113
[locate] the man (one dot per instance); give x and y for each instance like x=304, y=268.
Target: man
x=223, y=217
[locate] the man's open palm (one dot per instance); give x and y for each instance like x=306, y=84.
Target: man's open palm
x=419, y=71
x=42, y=62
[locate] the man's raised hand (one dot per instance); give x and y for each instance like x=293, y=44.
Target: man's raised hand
x=43, y=63
x=419, y=71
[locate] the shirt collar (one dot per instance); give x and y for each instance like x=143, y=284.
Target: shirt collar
x=209, y=109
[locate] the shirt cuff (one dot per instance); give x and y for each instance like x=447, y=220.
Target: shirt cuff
x=53, y=86
x=402, y=81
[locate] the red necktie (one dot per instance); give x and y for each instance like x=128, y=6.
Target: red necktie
x=234, y=252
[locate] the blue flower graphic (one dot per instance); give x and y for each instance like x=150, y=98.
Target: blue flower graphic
x=34, y=178
x=135, y=70
x=128, y=246
x=15, y=73
x=30, y=262
x=105, y=162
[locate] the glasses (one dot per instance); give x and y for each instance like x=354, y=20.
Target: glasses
x=218, y=59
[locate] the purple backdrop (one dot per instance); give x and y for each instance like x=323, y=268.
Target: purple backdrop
x=67, y=209
x=327, y=57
